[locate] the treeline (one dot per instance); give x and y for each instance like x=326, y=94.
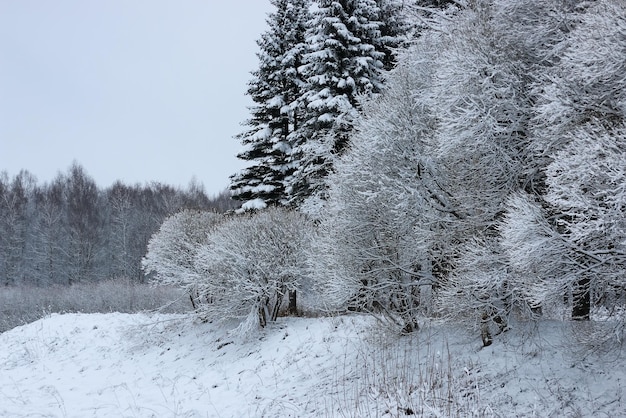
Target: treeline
x=69, y=230
x=486, y=181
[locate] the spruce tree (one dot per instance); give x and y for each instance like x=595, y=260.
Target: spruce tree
x=345, y=59
x=395, y=29
x=274, y=89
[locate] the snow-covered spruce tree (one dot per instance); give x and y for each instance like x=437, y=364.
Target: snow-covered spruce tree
x=346, y=53
x=275, y=88
x=172, y=250
x=580, y=149
x=250, y=264
x=395, y=30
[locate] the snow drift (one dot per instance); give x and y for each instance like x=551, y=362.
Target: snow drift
x=140, y=365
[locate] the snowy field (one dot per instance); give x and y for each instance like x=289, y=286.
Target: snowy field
x=137, y=365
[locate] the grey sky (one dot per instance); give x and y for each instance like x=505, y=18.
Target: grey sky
x=136, y=90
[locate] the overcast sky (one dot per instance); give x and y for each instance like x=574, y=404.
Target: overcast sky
x=135, y=90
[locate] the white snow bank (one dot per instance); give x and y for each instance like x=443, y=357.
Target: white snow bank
x=141, y=365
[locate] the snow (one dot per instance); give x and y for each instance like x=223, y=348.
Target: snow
x=253, y=205
x=141, y=365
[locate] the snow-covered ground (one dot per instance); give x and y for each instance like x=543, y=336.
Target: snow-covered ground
x=138, y=365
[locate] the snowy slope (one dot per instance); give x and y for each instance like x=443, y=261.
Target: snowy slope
x=123, y=365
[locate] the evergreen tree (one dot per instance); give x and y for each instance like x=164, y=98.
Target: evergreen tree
x=346, y=56
x=394, y=30
x=274, y=89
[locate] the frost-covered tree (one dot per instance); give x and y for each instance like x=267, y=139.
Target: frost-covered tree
x=250, y=264
x=50, y=232
x=579, y=141
x=130, y=224
x=417, y=199
x=119, y=199
x=85, y=226
x=587, y=185
x=346, y=54
x=436, y=167
x=536, y=256
x=69, y=230
x=14, y=226
x=275, y=88
x=485, y=99
x=571, y=244
x=374, y=252
x=173, y=248
x=482, y=110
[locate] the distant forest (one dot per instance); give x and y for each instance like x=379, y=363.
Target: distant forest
x=69, y=230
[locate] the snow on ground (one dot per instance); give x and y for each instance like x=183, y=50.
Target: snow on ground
x=139, y=365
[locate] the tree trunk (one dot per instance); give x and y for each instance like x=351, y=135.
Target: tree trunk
x=581, y=296
x=293, y=306
x=410, y=326
x=263, y=316
x=485, y=333
x=536, y=311
x=276, y=308
x=426, y=285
